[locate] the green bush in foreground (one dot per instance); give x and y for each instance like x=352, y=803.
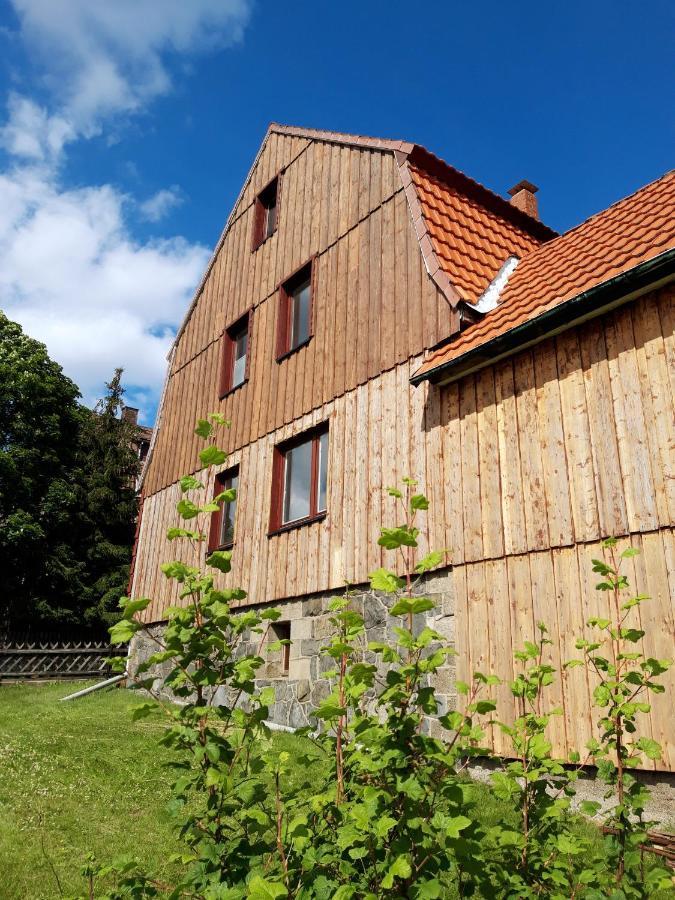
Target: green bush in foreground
x=391, y=816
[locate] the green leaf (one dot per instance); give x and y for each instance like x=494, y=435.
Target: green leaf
x=173, y=533
x=419, y=501
x=455, y=825
x=219, y=419
x=221, y=560
x=649, y=747
x=203, y=429
x=123, y=631
x=485, y=706
x=393, y=538
x=394, y=492
x=261, y=889
x=567, y=844
x=187, y=509
x=189, y=483
x=212, y=456
x=384, y=580
x=131, y=607
x=400, y=868
x=430, y=561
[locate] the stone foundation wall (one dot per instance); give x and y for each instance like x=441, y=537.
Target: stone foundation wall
x=302, y=688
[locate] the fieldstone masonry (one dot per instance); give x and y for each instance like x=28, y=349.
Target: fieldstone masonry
x=302, y=688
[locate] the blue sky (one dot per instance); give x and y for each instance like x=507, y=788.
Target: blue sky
x=127, y=130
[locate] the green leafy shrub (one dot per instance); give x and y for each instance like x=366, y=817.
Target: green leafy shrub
x=382, y=807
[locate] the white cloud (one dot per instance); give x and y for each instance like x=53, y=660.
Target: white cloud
x=106, y=57
x=72, y=272
x=160, y=204
x=31, y=132
x=73, y=276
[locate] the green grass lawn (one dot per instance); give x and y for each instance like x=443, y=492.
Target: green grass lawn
x=77, y=778
x=81, y=778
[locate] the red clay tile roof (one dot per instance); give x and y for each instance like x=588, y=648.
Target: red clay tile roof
x=471, y=241
x=632, y=231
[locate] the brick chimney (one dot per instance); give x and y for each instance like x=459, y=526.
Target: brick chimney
x=522, y=197
x=130, y=414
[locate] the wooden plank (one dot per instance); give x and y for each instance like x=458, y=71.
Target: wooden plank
x=606, y=464
x=374, y=293
x=373, y=455
x=544, y=611
x=577, y=438
x=513, y=513
x=531, y=464
x=554, y=459
x=402, y=224
x=433, y=441
x=462, y=629
x=452, y=472
x=488, y=452
x=630, y=423
x=658, y=622
x=657, y=403
x=501, y=648
x=471, y=507
x=575, y=685
x=387, y=312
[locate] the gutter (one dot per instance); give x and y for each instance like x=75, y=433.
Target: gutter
x=601, y=298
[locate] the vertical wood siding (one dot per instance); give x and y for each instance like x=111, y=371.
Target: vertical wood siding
x=528, y=464
x=346, y=207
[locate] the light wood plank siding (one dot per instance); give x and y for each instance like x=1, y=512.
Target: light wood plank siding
x=346, y=207
x=526, y=475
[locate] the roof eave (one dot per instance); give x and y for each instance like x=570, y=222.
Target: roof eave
x=646, y=276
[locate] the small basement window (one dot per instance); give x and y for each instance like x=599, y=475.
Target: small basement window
x=266, y=213
x=299, y=480
x=279, y=661
x=235, y=355
x=221, y=534
x=294, y=327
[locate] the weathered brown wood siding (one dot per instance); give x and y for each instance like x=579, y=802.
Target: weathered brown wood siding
x=374, y=304
x=528, y=465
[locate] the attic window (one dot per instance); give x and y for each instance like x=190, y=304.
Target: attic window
x=294, y=326
x=222, y=522
x=235, y=354
x=266, y=213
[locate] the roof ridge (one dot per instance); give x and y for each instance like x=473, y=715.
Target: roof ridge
x=601, y=212
x=389, y=144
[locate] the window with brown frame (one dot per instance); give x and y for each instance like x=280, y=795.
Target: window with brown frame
x=279, y=661
x=235, y=355
x=221, y=534
x=294, y=328
x=299, y=480
x=266, y=213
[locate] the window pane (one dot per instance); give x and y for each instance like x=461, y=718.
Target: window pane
x=323, y=471
x=297, y=482
x=239, y=366
x=229, y=511
x=271, y=218
x=300, y=314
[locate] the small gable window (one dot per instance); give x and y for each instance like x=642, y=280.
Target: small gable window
x=266, y=213
x=222, y=522
x=299, y=481
x=235, y=355
x=295, y=311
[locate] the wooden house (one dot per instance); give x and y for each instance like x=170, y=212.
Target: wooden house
x=370, y=312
